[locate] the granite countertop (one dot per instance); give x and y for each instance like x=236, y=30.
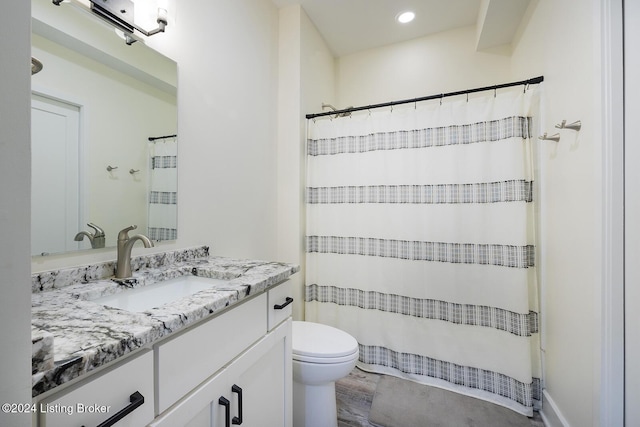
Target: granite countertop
x=72, y=335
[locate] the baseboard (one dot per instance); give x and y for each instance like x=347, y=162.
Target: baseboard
x=550, y=413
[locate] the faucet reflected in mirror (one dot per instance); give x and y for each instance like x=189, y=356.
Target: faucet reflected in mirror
x=97, y=238
x=125, y=243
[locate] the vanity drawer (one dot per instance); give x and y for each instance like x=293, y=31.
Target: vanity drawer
x=279, y=304
x=193, y=356
x=103, y=395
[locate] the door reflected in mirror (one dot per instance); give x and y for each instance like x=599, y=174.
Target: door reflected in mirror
x=94, y=109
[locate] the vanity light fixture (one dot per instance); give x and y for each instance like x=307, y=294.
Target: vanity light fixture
x=124, y=36
x=119, y=13
x=405, y=17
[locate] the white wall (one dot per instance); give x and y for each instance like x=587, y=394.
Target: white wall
x=306, y=80
x=15, y=175
x=420, y=67
x=290, y=151
x=227, y=124
x=631, y=214
x=560, y=41
x=318, y=69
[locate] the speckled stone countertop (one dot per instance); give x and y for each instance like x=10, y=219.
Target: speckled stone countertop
x=72, y=335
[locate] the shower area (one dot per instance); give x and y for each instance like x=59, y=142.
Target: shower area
x=163, y=187
x=421, y=238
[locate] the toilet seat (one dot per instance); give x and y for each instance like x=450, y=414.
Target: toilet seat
x=318, y=343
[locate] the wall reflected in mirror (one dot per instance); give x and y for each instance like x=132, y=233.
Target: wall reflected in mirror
x=95, y=104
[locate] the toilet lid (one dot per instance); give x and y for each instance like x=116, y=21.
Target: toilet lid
x=322, y=341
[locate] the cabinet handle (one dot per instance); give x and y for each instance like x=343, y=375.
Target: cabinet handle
x=288, y=301
x=237, y=420
x=136, y=400
x=227, y=416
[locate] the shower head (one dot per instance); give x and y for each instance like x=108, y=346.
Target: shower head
x=36, y=66
x=343, y=114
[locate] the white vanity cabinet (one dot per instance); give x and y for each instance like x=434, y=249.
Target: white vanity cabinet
x=253, y=391
x=232, y=369
x=104, y=395
x=185, y=361
x=249, y=387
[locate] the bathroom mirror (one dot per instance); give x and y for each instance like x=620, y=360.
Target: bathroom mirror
x=95, y=104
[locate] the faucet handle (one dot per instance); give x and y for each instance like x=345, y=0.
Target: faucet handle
x=124, y=233
x=98, y=232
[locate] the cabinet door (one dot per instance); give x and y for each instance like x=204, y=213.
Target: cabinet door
x=212, y=413
x=265, y=380
x=190, y=358
x=200, y=408
x=263, y=373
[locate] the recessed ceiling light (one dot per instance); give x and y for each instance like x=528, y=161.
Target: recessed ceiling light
x=405, y=17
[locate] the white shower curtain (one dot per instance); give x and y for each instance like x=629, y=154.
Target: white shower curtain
x=163, y=189
x=421, y=240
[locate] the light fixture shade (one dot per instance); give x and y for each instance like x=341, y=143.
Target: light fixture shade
x=119, y=13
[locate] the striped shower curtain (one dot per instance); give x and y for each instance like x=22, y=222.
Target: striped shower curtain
x=163, y=189
x=421, y=242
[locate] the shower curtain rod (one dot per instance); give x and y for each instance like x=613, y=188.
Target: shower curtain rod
x=153, y=138
x=533, y=81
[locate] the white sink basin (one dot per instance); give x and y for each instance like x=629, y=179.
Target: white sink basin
x=158, y=294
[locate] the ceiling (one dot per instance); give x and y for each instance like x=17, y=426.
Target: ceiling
x=350, y=26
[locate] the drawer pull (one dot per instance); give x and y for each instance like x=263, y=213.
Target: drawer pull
x=237, y=420
x=287, y=301
x=136, y=400
x=227, y=416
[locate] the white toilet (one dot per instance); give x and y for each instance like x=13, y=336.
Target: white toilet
x=321, y=355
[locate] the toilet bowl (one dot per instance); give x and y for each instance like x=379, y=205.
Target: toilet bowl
x=321, y=355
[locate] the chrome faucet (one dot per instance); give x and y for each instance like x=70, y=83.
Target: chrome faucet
x=125, y=243
x=96, y=239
